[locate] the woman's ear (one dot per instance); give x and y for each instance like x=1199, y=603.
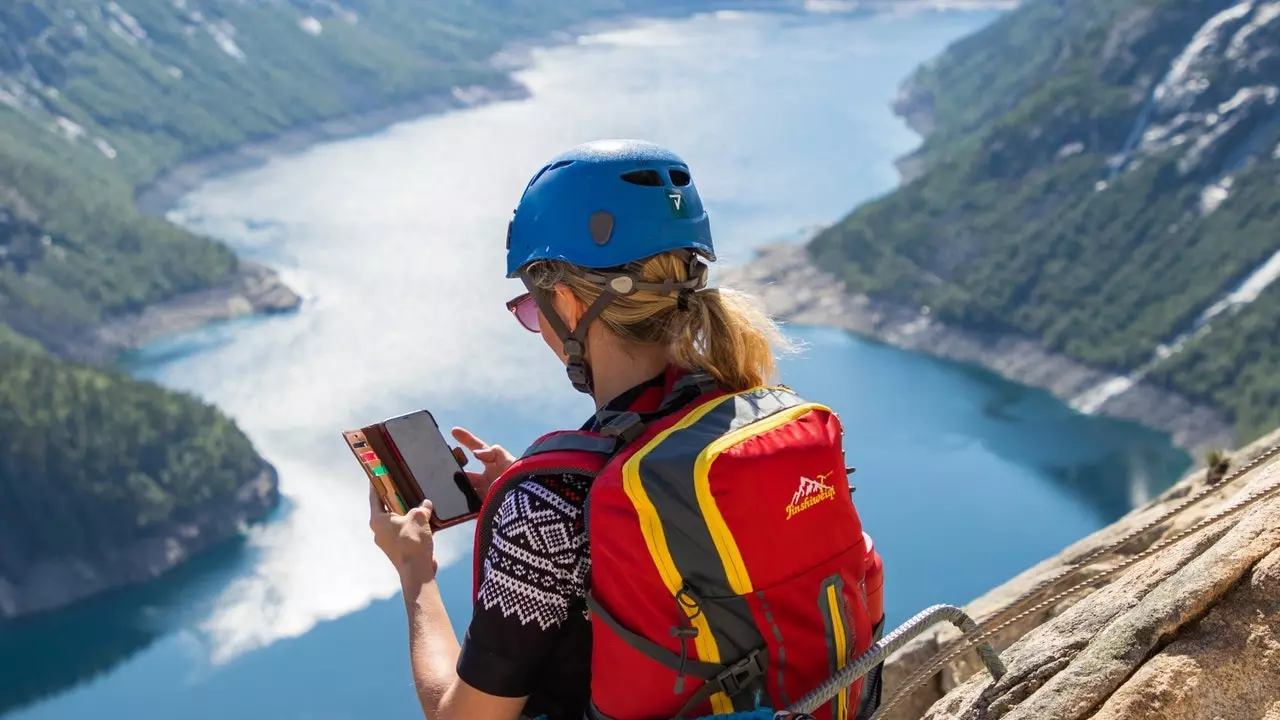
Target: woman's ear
x=568, y=306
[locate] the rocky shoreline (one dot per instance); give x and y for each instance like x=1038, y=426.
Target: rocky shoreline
x=252, y=288
x=54, y=584
x=915, y=107
x=794, y=290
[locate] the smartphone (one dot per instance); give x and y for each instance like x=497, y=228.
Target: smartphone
x=418, y=443
x=408, y=460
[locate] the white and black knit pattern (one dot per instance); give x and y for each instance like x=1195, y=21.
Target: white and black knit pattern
x=537, y=564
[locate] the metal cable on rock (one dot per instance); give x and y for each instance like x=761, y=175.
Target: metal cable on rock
x=922, y=621
x=989, y=627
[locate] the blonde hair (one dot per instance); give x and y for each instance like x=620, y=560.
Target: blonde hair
x=723, y=332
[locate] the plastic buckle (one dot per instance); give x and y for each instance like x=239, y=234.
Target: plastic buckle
x=577, y=374
x=706, y=383
x=703, y=382
x=737, y=676
x=626, y=427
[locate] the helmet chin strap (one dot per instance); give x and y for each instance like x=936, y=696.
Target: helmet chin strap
x=612, y=285
x=574, y=341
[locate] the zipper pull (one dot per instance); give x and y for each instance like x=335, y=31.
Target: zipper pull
x=685, y=601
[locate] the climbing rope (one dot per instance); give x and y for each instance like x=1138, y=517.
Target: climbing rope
x=989, y=627
x=922, y=621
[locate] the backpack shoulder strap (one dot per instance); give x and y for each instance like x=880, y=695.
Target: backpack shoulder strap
x=577, y=452
x=573, y=441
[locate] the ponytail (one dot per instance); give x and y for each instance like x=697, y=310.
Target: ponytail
x=729, y=336
x=722, y=331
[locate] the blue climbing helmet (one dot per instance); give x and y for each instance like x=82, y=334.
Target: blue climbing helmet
x=604, y=207
x=605, y=204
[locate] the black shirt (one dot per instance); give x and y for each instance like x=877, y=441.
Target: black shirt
x=529, y=633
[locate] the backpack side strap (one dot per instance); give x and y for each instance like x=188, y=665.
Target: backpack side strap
x=730, y=679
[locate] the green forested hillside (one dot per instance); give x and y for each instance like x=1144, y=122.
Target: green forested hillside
x=90, y=460
x=1096, y=179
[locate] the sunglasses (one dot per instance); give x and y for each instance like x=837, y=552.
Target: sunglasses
x=526, y=311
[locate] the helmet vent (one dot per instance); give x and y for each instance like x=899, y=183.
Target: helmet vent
x=648, y=178
x=546, y=169
x=679, y=177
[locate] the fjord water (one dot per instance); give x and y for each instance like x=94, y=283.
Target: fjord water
x=396, y=242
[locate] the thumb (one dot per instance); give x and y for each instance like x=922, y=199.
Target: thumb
x=422, y=514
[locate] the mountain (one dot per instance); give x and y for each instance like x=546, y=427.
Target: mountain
x=1100, y=178
x=105, y=480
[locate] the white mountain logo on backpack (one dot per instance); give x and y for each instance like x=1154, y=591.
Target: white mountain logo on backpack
x=810, y=493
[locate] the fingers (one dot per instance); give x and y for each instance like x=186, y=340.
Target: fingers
x=491, y=454
x=487, y=454
x=460, y=456
x=471, y=442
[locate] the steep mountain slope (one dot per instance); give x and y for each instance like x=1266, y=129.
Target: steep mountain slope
x=1100, y=176
x=104, y=480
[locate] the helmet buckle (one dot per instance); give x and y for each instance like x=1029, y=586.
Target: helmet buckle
x=622, y=284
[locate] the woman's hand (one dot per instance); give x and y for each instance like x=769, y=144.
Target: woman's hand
x=406, y=539
x=495, y=459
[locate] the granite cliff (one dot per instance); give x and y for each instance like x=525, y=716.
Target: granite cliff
x=1190, y=630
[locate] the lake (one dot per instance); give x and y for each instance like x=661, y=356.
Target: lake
x=963, y=479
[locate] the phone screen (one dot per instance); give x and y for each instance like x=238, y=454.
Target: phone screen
x=431, y=461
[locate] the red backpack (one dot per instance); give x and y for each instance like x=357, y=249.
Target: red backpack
x=729, y=569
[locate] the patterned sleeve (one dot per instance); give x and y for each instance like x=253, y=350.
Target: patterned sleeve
x=533, y=576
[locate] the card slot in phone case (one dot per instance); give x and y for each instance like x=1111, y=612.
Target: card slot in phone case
x=379, y=476
x=403, y=480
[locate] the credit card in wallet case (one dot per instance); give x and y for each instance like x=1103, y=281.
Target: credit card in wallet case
x=376, y=470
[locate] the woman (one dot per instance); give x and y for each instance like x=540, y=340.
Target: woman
x=611, y=240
